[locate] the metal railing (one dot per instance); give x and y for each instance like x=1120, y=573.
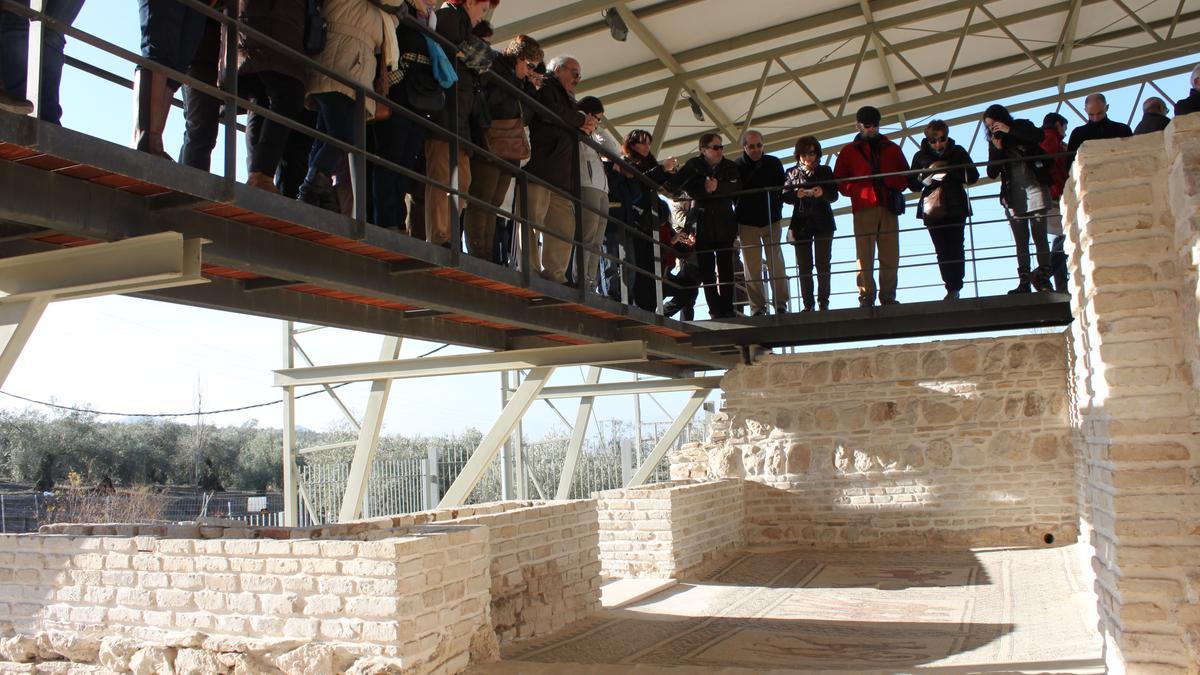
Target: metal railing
x=359, y=157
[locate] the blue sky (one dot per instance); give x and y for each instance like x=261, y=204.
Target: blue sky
x=132, y=355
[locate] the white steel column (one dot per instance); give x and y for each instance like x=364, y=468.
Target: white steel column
x=668, y=438
x=506, y=451
x=368, y=437
x=578, y=431
x=520, y=401
x=291, y=477
x=17, y=321
x=33, y=68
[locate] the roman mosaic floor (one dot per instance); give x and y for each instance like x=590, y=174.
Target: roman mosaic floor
x=993, y=611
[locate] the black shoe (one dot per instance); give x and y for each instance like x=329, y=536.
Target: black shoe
x=889, y=302
x=864, y=302
x=824, y=307
x=1022, y=287
x=807, y=308
x=317, y=190
x=781, y=309
x=951, y=295
x=670, y=308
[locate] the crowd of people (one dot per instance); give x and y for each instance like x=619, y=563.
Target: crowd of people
x=695, y=225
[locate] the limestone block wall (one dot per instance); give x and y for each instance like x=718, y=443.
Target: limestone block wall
x=544, y=560
x=223, y=599
x=1132, y=218
x=669, y=530
x=953, y=443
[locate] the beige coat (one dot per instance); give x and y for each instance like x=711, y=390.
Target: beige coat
x=358, y=32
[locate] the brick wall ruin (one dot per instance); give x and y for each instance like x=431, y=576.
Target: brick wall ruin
x=912, y=446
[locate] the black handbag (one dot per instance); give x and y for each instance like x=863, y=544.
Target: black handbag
x=316, y=28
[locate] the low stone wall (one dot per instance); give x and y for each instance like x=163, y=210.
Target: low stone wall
x=956, y=443
x=669, y=530
x=544, y=560
x=184, y=599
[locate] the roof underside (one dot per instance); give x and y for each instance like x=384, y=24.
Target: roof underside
x=796, y=68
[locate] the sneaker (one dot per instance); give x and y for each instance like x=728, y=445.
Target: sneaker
x=864, y=302
x=21, y=106
x=951, y=295
x=761, y=311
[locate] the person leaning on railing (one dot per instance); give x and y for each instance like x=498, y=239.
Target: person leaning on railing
x=634, y=203
x=1023, y=189
x=810, y=188
x=454, y=21
x=551, y=159
x=944, y=206
x=1054, y=130
x=271, y=79
x=593, y=192
x=710, y=179
x=506, y=138
x=636, y=152
x=398, y=138
x=361, y=40
x=760, y=224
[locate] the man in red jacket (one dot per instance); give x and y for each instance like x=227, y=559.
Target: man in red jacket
x=875, y=221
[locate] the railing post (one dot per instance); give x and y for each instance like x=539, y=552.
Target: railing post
x=454, y=181
x=358, y=167
x=577, y=245
x=659, y=275
x=525, y=254
x=33, y=71
x=230, y=85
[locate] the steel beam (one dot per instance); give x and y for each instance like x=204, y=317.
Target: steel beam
x=578, y=431
x=368, y=437
x=17, y=321
x=291, y=472
x=462, y=364
x=668, y=438
x=513, y=411
x=592, y=389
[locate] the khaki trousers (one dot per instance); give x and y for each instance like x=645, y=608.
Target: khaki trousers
x=754, y=240
x=554, y=214
x=593, y=233
x=876, y=227
x=489, y=183
x=437, y=167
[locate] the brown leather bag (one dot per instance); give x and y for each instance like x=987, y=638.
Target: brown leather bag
x=507, y=139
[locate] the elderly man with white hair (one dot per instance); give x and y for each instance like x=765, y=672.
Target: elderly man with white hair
x=1190, y=104
x=1154, y=117
x=553, y=142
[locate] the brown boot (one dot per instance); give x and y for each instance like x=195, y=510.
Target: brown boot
x=151, y=104
x=262, y=181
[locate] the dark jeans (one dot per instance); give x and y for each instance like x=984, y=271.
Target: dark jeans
x=639, y=256
x=293, y=163
x=683, y=295
x=265, y=139
x=14, y=55
x=609, y=281
x=399, y=140
x=202, y=113
x=335, y=116
x=1022, y=227
x=1058, y=264
x=713, y=264
x=171, y=33
x=947, y=236
x=817, y=250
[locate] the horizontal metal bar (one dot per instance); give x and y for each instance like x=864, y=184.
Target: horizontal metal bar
x=461, y=364
x=635, y=387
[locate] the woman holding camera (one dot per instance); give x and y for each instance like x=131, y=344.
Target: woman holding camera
x=810, y=188
x=1023, y=190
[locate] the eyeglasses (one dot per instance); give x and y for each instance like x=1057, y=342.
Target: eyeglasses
x=531, y=65
x=939, y=139
x=753, y=146
x=714, y=147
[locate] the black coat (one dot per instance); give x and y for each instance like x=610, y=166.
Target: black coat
x=554, y=141
x=502, y=103
x=811, y=215
x=282, y=20
x=1188, y=105
x=454, y=24
x=760, y=208
x=1151, y=122
x=953, y=185
x=712, y=215
x=1024, y=139
x=1096, y=130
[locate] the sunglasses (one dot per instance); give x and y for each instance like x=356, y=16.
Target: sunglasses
x=715, y=147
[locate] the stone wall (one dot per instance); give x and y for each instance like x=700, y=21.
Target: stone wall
x=954, y=443
x=669, y=530
x=185, y=599
x=1132, y=218
x=544, y=560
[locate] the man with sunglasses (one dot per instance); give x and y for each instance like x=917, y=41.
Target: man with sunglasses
x=944, y=206
x=760, y=223
x=874, y=204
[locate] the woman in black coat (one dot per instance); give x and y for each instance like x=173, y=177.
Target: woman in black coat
x=1024, y=190
x=710, y=179
x=811, y=188
x=944, y=205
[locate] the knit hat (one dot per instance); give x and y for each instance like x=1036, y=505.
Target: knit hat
x=868, y=116
x=591, y=105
